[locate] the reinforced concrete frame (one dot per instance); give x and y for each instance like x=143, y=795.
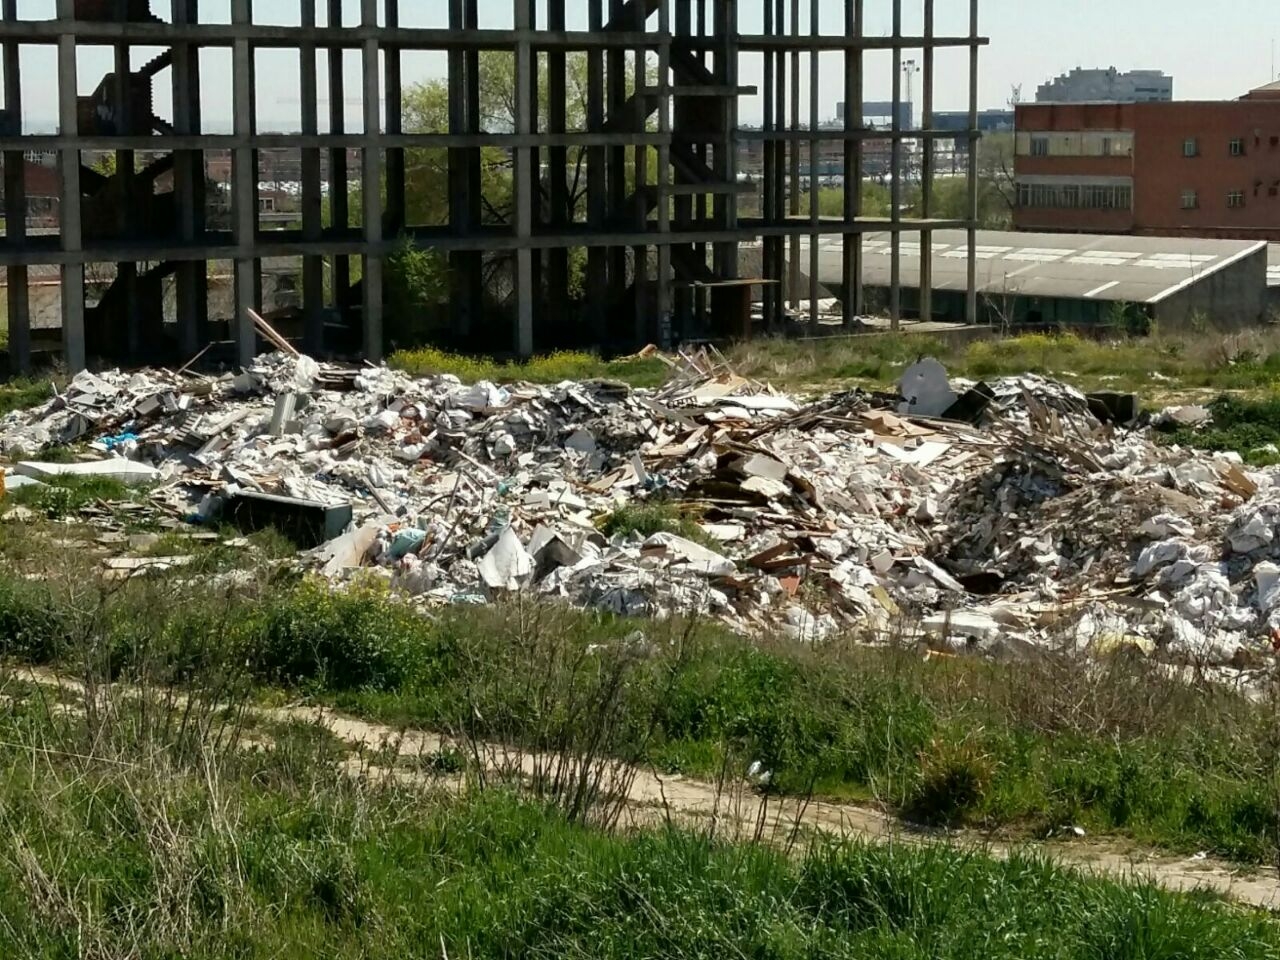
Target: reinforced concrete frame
x=649, y=191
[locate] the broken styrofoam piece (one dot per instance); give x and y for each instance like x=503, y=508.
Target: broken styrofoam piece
x=348, y=551
x=971, y=624
x=127, y=471
x=507, y=565
x=926, y=389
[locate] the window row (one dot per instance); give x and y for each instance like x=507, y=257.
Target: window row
x=1235, y=199
x=1235, y=146
x=1074, y=196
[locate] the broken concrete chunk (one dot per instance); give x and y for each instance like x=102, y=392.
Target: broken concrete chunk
x=764, y=487
x=687, y=554
x=580, y=441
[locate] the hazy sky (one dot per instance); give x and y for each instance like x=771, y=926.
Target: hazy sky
x=1212, y=54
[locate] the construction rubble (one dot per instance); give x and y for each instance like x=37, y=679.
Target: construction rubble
x=999, y=517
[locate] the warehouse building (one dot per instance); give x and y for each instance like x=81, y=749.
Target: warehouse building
x=1063, y=281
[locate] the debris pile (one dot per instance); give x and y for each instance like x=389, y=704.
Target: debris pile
x=999, y=516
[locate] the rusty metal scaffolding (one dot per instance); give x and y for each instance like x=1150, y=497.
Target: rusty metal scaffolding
x=660, y=222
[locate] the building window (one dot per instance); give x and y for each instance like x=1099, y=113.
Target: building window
x=1191, y=147
x=1073, y=196
x=1106, y=146
x=1237, y=147
x=1039, y=146
x=1189, y=200
x=1235, y=199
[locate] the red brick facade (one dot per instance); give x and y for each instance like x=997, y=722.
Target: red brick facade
x=1204, y=169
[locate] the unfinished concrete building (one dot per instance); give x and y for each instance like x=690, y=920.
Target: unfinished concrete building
x=612, y=228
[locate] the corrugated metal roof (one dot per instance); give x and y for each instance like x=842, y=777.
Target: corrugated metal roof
x=1071, y=266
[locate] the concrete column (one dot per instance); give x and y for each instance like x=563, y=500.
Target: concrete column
x=772, y=312
x=371, y=187
x=895, y=190
x=126, y=273
x=926, y=170
x=15, y=209
x=188, y=182
x=558, y=174
x=597, y=198
x=524, y=195
x=814, y=144
x=244, y=176
x=616, y=98
x=971, y=298
x=664, y=306
x=393, y=120
x=793, y=182
x=312, y=211
x=851, y=275
x=339, y=201
x=72, y=238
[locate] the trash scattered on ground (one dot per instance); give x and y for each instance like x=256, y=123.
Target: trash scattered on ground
x=998, y=517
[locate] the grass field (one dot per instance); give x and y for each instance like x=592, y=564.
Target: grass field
x=1244, y=360
x=178, y=831
x=1024, y=749
x=1165, y=364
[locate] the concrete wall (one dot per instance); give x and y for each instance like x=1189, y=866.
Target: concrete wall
x=1234, y=296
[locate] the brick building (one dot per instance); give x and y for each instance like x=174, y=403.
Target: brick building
x=1202, y=169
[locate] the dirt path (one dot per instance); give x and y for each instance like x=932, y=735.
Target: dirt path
x=652, y=798
x=739, y=812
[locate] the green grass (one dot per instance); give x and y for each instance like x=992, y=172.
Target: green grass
x=552, y=368
x=1238, y=361
x=646, y=519
x=66, y=496
x=121, y=835
x=1026, y=747
x=21, y=393
x=1244, y=426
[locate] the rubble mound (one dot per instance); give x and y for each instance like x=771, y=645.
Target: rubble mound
x=997, y=515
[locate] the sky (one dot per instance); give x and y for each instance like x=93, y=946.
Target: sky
x=1212, y=55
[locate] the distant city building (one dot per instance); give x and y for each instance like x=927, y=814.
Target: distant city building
x=1194, y=169
x=878, y=114
x=1081, y=86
